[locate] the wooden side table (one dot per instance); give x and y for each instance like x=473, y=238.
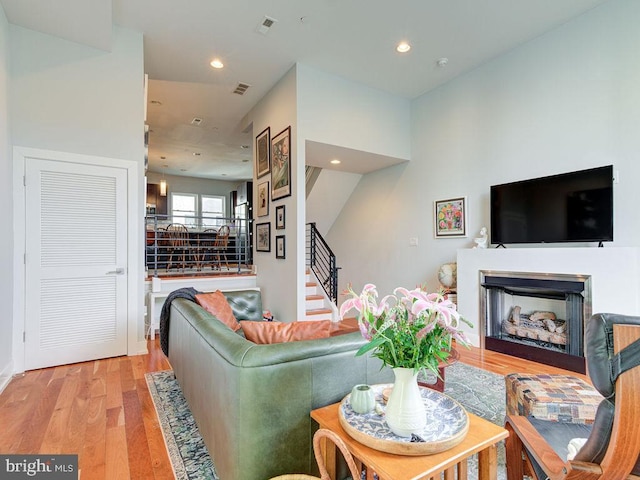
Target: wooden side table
x=482, y=439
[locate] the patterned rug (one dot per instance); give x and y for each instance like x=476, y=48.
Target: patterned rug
x=480, y=392
x=188, y=454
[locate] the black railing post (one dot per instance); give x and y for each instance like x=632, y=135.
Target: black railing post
x=323, y=262
x=312, y=253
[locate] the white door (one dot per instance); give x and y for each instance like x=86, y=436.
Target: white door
x=76, y=262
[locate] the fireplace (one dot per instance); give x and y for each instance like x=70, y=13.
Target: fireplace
x=536, y=316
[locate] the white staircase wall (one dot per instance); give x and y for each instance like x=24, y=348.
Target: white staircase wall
x=328, y=196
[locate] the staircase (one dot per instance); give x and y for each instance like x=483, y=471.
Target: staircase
x=315, y=303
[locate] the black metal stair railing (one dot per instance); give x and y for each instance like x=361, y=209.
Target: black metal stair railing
x=322, y=261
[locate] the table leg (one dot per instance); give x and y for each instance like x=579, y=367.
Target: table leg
x=488, y=463
x=450, y=473
x=328, y=450
x=463, y=469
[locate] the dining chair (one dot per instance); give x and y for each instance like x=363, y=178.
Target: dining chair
x=177, y=239
x=219, y=248
x=204, y=249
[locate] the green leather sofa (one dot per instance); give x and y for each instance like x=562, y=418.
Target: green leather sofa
x=252, y=402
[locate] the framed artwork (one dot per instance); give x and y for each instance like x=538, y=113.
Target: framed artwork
x=263, y=142
x=280, y=253
x=263, y=237
x=450, y=217
x=280, y=217
x=281, y=164
x=263, y=199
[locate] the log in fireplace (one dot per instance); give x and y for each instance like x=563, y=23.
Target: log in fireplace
x=536, y=316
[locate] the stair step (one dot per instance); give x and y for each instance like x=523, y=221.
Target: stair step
x=319, y=314
x=318, y=311
x=314, y=297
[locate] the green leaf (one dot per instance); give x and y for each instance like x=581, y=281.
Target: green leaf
x=375, y=343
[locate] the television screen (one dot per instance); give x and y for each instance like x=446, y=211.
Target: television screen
x=570, y=207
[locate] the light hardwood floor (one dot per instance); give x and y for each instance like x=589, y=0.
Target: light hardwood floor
x=102, y=410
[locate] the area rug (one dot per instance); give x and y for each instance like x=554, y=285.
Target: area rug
x=187, y=452
x=480, y=392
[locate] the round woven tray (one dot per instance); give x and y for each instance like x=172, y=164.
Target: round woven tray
x=447, y=425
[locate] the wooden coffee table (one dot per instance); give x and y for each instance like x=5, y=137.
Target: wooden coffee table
x=482, y=439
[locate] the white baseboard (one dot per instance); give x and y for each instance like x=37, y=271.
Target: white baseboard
x=142, y=348
x=5, y=376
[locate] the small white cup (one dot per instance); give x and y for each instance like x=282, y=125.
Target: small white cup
x=362, y=399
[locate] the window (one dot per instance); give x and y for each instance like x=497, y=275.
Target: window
x=195, y=210
x=212, y=211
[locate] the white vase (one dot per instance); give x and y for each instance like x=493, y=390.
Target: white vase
x=405, y=413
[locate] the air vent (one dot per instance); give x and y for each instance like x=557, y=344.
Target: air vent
x=196, y=121
x=266, y=24
x=241, y=88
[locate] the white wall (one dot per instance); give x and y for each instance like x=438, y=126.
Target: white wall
x=72, y=98
x=279, y=279
x=567, y=100
x=328, y=196
x=336, y=111
x=6, y=240
x=328, y=109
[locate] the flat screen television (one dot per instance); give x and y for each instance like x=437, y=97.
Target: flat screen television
x=570, y=207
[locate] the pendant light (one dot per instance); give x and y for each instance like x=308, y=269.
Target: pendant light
x=163, y=182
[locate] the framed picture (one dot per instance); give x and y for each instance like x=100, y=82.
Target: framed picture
x=280, y=217
x=280, y=246
x=263, y=199
x=263, y=237
x=281, y=165
x=263, y=142
x=450, y=217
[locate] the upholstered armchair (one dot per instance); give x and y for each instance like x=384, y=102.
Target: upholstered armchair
x=539, y=448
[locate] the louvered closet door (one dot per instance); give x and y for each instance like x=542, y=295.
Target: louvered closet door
x=76, y=262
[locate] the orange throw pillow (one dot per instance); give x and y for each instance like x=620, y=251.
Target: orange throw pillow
x=280, y=332
x=216, y=304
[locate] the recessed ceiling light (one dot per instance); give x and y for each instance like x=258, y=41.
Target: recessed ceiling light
x=155, y=102
x=217, y=63
x=196, y=154
x=441, y=62
x=335, y=161
x=245, y=160
x=403, y=47
x=244, y=146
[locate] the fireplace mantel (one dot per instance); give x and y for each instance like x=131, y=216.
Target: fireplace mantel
x=614, y=272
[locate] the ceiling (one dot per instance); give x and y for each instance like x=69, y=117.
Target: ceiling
x=353, y=39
